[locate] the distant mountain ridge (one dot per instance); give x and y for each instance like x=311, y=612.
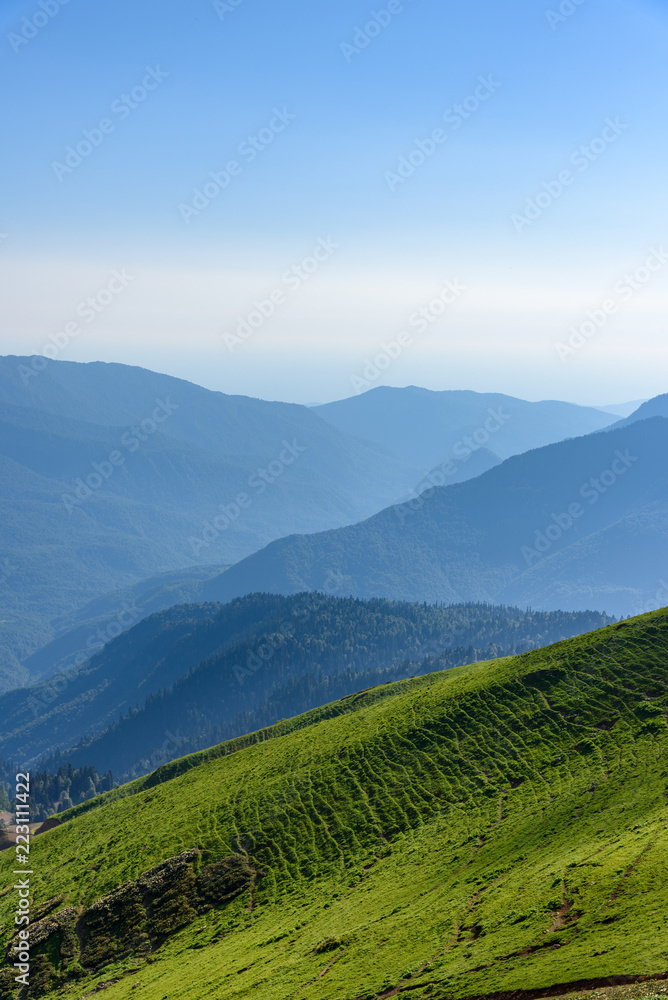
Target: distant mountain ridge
x=434, y=427
x=575, y=525
x=656, y=407
x=622, y=409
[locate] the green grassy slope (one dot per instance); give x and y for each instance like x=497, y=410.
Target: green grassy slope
x=501, y=826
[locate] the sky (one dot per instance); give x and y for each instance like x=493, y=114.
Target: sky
x=301, y=201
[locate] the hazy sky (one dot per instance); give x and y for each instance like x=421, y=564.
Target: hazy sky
x=514, y=151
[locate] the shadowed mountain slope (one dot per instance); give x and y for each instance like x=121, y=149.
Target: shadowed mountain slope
x=426, y=426
x=575, y=525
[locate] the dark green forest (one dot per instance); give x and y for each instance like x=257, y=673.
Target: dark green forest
x=53, y=791
x=287, y=655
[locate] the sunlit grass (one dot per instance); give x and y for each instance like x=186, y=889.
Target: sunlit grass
x=502, y=826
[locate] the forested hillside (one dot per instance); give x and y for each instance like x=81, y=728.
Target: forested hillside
x=53, y=791
x=190, y=676
x=496, y=828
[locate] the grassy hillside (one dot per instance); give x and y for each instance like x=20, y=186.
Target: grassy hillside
x=575, y=525
x=500, y=827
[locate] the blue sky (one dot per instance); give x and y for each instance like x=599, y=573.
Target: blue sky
x=224, y=72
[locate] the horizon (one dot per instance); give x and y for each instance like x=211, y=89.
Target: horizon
x=27, y=373
x=268, y=224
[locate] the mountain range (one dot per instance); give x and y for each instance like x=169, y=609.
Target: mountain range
x=112, y=475
x=427, y=427
x=576, y=525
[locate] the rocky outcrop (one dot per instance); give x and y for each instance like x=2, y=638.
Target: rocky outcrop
x=133, y=920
